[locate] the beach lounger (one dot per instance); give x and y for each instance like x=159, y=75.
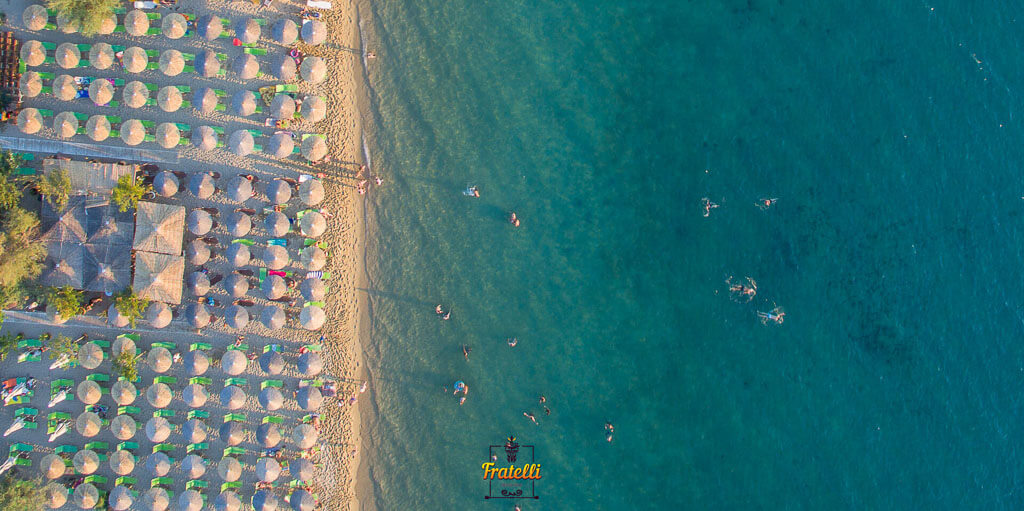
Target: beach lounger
x=238, y=347
x=169, y=380
x=96, y=479
x=273, y=419
x=199, y=380
x=98, y=377
x=200, y=346
x=196, y=484
x=202, y=446
x=318, y=304
x=287, y=87
x=97, y=446
x=314, y=347
x=198, y=414
x=128, y=481
x=273, y=347
x=238, y=382
x=164, y=448
x=153, y=31
x=233, y=485
x=29, y=343
x=234, y=417
x=128, y=410
x=271, y=383
x=311, y=383
x=103, y=343
x=167, y=345
x=30, y=356
x=66, y=449
x=127, y=446
x=161, y=481
x=255, y=51
x=19, y=447
x=163, y=413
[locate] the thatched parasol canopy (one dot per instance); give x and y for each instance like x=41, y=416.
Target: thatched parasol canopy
x=312, y=317
x=197, y=315
x=207, y=65
x=52, y=466
x=232, y=433
x=88, y=424
x=86, y=496
x=159, y=395
x=194, y=466
x=197, y=252
x=282, y=107
x=229, y=469
x=238, y=224
x=101, y=91
x=168, y=135
x=97, y=127
x=280, y=145
x=32, y=52
x=209, y=26
x=285, y=32
x=314, y=148
x=201, y=185
x=272, y=317
x=236, y=286
x=123, y=427
x=263, y=500
x=304, y=436
x=158, y=464
x=120, y=498
x=64, y=88
x=268, y=469
x=246, y=66
x=122, y=462
x=237, y=254
x=310, y=363
x=101, y=56
x=55, y=495
x=284, y=68
x=233, y=362
x=89, y=392
x=136, y=23
x=30, y=84
x=243, y=103
x=135, y=94
x=271, y=399
x=227, y=501
x=204, y=138
x=313, y=258
x=314, y=32
x=166, y=184
x=301, y=469
x=194, y=430
x=124, y=392
x=196, y=363
x=239, y=189
x=302, y=500
x=155, y=499
x=273, y=287
x=195, y=395
x=313, y=290
x=309, y=398
x=272, y=362
x=248, y=31
x=199, y=222
x=67, y=55
x=35, y=17
x=313, y=69
x=90, y=355
x=205, y=100
x=65, y=124
x=313, y=224
x=241, y=143
x=314, y=108
x=275, y=257
x=172, y=62
x=159, y=315
x=30, y=121
x=159, y=359
x=108, y=25
x=174, y=26
x=133, y=132
x=276, y=224
x=278, y=191
x=236, y=317
x=86, y=461
x=232, y=397
x=169, y=98
x=158, y=429
x=135, y=59
x=268, y=435
x=115, y=318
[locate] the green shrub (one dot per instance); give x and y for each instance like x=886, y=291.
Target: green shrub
x=66, y=300
x=87, y=14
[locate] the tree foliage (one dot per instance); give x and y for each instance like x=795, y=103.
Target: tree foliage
x=21, y=253
x=87, y=15
x=62, y=345
x=21, y=494
x=66, y=300
x=127, y=193
x=8, y=342
x=131, y=306
x=56, y=187
x=126, y=365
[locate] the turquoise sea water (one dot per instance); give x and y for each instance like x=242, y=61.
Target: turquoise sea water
x=891, y=134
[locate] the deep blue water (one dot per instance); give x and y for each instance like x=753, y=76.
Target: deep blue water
x=888, y=131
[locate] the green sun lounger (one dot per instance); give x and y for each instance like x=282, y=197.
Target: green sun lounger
x=273, y=419
x=236, y=381
x=238, y=347
x=161, y=481
x=66, y=449
x=169, y=380
x=128, y=410
x=197, y=414
x=271, y=383
x=234, y=417
x=164, y=448
x=163, y=413
x=200, y=346
x=233, y=485
x=97, y=446
x=199, y=380
x=201, y=446
x=167, y=345
x=127, y=446
x=196, y=484
x=128, y=481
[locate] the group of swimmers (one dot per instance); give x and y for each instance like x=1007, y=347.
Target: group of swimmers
x=440, y=312
x=532, y=417
x=746, y=291
x=707, y=205
x=473, y=191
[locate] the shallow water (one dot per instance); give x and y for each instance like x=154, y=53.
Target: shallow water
x=893, y=248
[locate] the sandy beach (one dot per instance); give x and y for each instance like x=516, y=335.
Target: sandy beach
x=337, y=463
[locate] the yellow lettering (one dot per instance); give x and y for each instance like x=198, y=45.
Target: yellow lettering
x=503, y=473
x=487, y=469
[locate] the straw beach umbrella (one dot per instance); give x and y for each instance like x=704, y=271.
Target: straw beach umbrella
x=159, y=315
x=195, y=395
x=30, y=121
x=268, y=435
x=263, y=500
x=280, y=145
x=309, y=398
x=272, y=362
x=274, y=287
x=67, y=55
x=314, y=148
x=120, y=498
x=159, y=395
x=158, y=429
x=52, y=466
x=282, y=107
x=271, y=399
x=86, y=496
x=122, y=462
x=172, y=62
x=284, y=32
x=135, y=59
x=232, y=397
x=64, y=88
x=158, y=464
x=268, y=469
x=194, y=466
x=35, y=17
x=233, y=362
x=232, y=433
x=301, y=469
x=237, y=254
x=239, y=189
x=314, y=108
x=199, y=222
x=122, y=344
x=313, y=258
x=310, y=364
x=190, y=500
x=101, y=56
x=209, y=27
x=312, y=317
x=248, y=31
x=30, y=84
x=101, y=91
x=314, y=32
x=207, y=64
x=174, y=26
x=313, y=69
x=169, y=98
x=241, y=143
x=201, y=185
x=284, y=68
x=204, y=138
x=229, y=469
x=205, y=100
x=86, y=461
x=276, y=224
x=168, y=135
x=136, y=23
x=197, y=315
x=236, y=286
x=278, y=191
x=115, y=318
x=313, y=224
x=32, y=52
x=65, y=124
x=194, y=430
x=196, y=363
x=246, y=66
x=155, y=499
x=124, y=392
x=135, y=94
x=133, y=132
x=123, y=427
x=275, y=257
x=227, y=501
x=108, y=25
x=312, y=290
x=272, y=317
x=90, y=355
x=301, y=500
x=236, y=317
x=159, y=359
x=166, y=185
x=243, y=103
x=238, y=224
x=88, y=424
x=304, y=436
x=97, y=127
x=55, y=495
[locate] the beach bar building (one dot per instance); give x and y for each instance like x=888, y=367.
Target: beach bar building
x=159, y=265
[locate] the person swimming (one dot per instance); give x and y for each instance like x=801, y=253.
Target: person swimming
x=609, y=430
x=512, y=342
x=740, y=290
x=765, y=203
x=777, y=315
x=542, y=399
x=530, y=416
x=447, y=315
x=513, y=219
x=471, y=191
x=547, y=411
x=438, y=310
x=708, y=206
x=465, y=352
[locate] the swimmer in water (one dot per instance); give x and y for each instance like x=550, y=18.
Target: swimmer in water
x=465, y=352
x=543, y=399
x=438, y=310
x=765, y=203
x=609, y=430
x=462, y=400
x=447, y=315
x=530, y=416
x=708, y=206
x=741, y=291
x=777, y=315
x=547, y=411
x=512, y=342
x=513, y=219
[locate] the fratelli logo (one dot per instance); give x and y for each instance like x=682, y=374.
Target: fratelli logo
x=507, y=480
